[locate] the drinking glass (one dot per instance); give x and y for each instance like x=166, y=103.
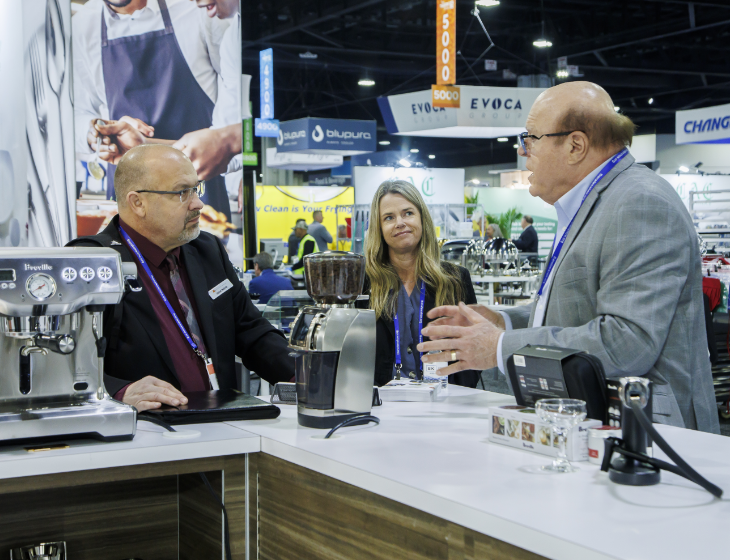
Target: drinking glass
x=561, y=415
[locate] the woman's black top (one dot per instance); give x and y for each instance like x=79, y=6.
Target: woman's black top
x=385, y=335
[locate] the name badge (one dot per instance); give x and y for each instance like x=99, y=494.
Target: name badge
x=221, y=288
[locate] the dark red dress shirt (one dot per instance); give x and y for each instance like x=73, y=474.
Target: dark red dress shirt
x=189, y=367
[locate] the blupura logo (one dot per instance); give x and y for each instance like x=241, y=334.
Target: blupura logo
x=427, y=186
x=280, y=139
x=317, y=134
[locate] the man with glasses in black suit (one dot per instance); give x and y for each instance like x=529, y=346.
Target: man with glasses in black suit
x=181, y=333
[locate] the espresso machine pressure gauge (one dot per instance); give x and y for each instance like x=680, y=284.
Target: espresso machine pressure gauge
x=41, y=286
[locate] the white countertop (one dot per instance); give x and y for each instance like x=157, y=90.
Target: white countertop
x=436, y=457
x=148, y=446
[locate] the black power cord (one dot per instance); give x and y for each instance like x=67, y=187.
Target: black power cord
x=358, y=420
x=216, y=497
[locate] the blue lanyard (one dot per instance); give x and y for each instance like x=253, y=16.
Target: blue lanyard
x=146, y=267
x=556, y=253
x=398, y=360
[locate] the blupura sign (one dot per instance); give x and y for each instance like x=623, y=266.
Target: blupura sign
x=327, y=136
x=710, y=125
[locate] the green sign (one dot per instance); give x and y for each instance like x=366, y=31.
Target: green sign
x=250, y=158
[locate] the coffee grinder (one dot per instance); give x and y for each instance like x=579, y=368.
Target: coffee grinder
x=52, y=345
x=333, y=342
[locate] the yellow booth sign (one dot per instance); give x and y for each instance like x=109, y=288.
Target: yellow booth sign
x=278, y=208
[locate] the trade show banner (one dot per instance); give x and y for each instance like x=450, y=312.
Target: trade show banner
x=327, y=136
x=710, y=125
x=279, y=208
x=128, y=79
x=484, y=112
x=36, y=124
x=437, y=186
x=709, y=205
x=499, y=200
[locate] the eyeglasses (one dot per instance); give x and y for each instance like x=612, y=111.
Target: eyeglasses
x=524, y=135
x=185, y=194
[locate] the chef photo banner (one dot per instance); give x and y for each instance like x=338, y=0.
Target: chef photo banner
x=36, y=124
x=127, y=84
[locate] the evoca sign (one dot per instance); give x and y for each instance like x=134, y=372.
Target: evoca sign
x=710, y=125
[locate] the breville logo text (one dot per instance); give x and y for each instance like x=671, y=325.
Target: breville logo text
x=39, y=267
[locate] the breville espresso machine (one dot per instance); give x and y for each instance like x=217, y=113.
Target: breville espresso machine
x=52, y=346
x=333, y=342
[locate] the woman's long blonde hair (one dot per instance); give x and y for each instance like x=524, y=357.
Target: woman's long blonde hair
x=445, y=281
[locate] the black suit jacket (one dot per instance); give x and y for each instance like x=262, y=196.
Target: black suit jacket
x=231, y=324
x=527, y=241
x=385, y=336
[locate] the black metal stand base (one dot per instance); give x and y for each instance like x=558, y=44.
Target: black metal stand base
x=631, y=472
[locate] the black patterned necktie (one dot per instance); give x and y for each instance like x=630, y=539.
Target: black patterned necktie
x=187, y=309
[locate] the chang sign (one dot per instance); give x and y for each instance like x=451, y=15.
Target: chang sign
x=710, y=125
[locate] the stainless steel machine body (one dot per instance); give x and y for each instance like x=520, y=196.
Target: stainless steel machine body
x=334, y=342
x=51, y=369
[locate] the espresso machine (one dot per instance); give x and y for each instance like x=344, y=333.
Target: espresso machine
x=52, y=346
x=333, y=342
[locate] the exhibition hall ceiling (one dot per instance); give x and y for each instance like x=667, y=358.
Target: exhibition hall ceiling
x=653, y=56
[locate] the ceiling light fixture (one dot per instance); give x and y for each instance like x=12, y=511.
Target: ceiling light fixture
x=404, y=162
x=617, y=109
x=475, y=181
x=414, y=150
x=502, y=139
x=384, y=142
x=487, y=3
x=542, y=43
x=515, y=146
x=562, y=74
x=651, y=101
x=366, y=83
x=684, y=169
x=431, y=156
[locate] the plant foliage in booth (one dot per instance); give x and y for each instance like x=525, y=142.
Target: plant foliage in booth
x=505, y=220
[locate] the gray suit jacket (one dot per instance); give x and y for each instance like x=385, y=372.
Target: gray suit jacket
x=320, y=234
x=628, y=289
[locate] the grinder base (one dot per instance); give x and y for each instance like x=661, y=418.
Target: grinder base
x=632, y=472
x=323, y=422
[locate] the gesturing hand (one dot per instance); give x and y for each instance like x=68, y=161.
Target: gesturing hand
x=451, y=315
x=210, y=150
x=150, y=392
x=471, y=337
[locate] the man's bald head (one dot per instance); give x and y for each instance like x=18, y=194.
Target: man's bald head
x=145, y=168
x=586, y=107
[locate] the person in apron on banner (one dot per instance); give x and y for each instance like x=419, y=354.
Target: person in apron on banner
x=152, y=65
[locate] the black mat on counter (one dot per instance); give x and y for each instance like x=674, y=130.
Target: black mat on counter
x=224, y=405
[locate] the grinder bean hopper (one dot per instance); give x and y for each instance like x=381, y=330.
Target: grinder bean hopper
x=333, y=342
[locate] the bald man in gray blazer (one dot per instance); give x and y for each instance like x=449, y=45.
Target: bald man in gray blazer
x=627, y=283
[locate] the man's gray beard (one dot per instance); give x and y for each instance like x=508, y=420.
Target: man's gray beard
x=187, y=235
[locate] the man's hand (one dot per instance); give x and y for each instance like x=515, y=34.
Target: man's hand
x=210, y=149
x=451, y=315
x=118, y=137
x=472, y=337
x=150, y=392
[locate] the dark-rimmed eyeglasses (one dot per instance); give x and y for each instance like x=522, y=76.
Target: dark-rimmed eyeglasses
x=185, y=194
x=524, y=135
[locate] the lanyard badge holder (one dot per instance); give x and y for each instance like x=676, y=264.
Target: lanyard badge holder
x=396, y=323
x=212, y=377
x=559, y=247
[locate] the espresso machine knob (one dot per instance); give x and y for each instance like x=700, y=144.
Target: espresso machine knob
x=61, y=344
